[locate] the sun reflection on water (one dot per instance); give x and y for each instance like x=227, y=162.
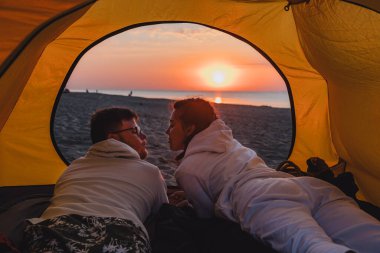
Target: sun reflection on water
x=218, y=100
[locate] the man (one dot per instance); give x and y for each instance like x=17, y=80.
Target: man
x=102, y=199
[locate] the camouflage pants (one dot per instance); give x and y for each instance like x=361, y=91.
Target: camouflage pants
x=75, y=233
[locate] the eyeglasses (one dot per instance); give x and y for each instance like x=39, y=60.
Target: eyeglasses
x=135, y=130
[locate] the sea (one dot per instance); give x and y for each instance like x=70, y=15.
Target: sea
x=278, y=99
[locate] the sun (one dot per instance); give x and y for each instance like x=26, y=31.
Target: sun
x=218, y=75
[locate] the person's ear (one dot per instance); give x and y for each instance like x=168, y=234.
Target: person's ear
x=190, y=130
x=112, y=135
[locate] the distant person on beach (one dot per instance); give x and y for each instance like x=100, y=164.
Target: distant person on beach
x=291, y=214
x=102, y=199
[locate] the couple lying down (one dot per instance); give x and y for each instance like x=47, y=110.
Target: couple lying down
x=101, y=200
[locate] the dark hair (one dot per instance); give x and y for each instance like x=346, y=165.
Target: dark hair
x=197, y=112
x=107, y=120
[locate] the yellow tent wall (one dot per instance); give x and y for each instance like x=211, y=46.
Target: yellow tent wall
x=342, y=41
x=27, y=155
x=22, y=42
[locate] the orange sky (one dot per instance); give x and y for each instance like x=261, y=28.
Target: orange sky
x=175, y=57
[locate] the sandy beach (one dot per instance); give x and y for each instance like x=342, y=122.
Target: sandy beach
x=265, y=129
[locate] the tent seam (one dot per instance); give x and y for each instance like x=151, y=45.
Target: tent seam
x=29, y=38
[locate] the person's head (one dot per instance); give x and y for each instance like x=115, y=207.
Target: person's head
x=119, y=124
x=189, y=117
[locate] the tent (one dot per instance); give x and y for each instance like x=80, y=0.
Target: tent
x=328, y=52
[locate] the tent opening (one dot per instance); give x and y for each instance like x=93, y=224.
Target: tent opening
x=147, y=67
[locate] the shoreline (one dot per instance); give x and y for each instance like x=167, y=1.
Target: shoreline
x=227, y=97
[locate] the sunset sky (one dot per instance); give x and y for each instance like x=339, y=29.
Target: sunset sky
x=175, y=57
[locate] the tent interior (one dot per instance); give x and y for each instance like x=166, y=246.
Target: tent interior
x=327, y=52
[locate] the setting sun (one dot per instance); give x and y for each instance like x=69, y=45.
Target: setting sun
x=219, y=75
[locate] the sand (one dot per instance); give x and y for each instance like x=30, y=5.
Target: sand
x=265, y=129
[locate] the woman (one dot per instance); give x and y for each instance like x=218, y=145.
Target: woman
x=292, y=214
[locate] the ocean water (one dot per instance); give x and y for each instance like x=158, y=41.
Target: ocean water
x=274, y=99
